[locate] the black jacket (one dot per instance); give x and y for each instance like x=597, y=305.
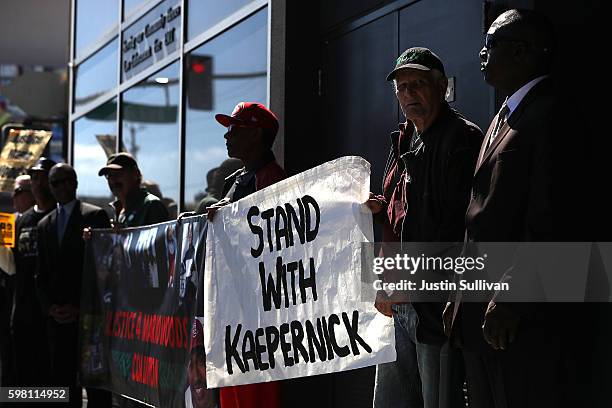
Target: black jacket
x=438, y=186
x=26, y=307
x=60, y=267
x=440, y=170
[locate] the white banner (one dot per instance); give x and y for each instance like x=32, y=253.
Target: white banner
x=282, y=281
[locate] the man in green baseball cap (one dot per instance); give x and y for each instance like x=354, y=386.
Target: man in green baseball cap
x=426, y=203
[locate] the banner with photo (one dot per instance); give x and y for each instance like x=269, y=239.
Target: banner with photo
x=21, y=150
x=282, y=281
x=138, y=304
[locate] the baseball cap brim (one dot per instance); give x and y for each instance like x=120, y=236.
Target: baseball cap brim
x=106, y=169
x=420, y=67
x=35, y=169
x=227, y=120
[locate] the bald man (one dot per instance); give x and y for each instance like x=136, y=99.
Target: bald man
x=512, y=350
x=58, y=279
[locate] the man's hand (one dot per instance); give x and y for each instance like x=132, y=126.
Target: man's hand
x=447, y=318
x=383, y=303
x=185, y=215
x=375, y=204
x=500, y=326
x=212, y=210
x=86, y=234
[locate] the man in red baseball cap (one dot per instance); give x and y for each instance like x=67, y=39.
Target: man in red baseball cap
x=251, y=130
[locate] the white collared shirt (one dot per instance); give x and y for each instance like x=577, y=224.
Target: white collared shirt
x=516, y=98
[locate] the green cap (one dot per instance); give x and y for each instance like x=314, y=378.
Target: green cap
x=417, y=58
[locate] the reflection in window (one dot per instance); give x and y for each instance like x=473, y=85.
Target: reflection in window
x=131, y=6
x=94, y=18
x=216, y=82
x=96, y=75
x=203, y=14
x=150, y=128
x=95, y=136
x=151, y=38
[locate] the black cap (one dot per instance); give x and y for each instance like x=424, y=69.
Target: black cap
x=118, y=161
x=417, y=58
x=43, y=164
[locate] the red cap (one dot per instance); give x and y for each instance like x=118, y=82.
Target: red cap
x=251, y=115
x=197, y=334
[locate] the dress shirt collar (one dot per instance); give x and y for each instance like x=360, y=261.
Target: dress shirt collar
x=516, y=98
x=67, y=208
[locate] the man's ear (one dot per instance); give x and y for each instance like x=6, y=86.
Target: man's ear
x=443, y=86
x=521, y=53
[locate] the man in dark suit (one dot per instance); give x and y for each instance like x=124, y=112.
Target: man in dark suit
x=60, y=268
x=512, y=351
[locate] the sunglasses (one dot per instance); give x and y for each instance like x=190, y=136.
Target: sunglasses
x=233, y=127
x=58, y=182
x=492, y=41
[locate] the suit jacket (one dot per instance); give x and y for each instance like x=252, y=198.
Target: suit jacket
x=60, y=265
x=514, y=181
x=516, y=197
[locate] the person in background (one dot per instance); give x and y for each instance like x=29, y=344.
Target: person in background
x=23, y=199
x=60, y=269
x=134, y=206
x=27, y=314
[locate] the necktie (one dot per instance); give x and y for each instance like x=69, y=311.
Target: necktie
x=61, y=223
x=501, y=120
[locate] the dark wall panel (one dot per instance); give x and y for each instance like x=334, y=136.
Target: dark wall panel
x=454, y=31
x=334, y=12
x=359, y=105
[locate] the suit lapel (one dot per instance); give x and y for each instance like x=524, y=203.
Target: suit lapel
x=485, y=154
x=52, y=232
x=73, y=224
x=500, y=136
x=483, y=147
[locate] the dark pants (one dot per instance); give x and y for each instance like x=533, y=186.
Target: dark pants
x=31, y=355
x=7, y=364
x=63, y=354
x=526, y=375
x=64, y=358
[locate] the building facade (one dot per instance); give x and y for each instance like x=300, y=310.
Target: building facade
x=148, y=76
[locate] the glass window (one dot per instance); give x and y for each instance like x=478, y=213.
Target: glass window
x=150, y=128
x=216, y=82
x=95, y=136
x=203, y=14
x=151, y=38
x=94, y=18
x=97, y=75
x=130, y=6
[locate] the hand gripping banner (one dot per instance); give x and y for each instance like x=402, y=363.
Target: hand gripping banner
x=282, y=281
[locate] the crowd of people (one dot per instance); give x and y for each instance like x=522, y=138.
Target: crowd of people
x=445, y=181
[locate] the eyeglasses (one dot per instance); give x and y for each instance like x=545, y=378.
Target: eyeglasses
x=413, y=85
x=493, y=40
x=58, y=182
